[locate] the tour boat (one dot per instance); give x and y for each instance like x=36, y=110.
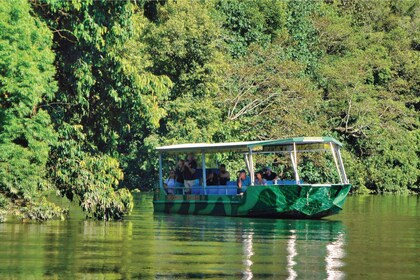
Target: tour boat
x=293, y=198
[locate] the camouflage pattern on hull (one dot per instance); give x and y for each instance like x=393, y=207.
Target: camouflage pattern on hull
x=277, y=201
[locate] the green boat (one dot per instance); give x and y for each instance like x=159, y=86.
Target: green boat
x=279, y=199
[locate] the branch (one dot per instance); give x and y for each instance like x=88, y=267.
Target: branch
x=58, y=31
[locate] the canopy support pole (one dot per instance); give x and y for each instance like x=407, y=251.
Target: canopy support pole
x=246, y=161
x=160, y=172
x=343, y=171
x=203, y=167
x=336, y=162
x=251, y=167
x=293, y=156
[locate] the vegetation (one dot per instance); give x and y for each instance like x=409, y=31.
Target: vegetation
x=89, y=88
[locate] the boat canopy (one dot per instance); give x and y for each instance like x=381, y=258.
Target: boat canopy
x=280, y=145
x=208, y=148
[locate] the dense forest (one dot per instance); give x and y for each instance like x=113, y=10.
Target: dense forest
x=89, y=88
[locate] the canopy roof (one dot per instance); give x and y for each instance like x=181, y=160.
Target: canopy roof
x=302, y=143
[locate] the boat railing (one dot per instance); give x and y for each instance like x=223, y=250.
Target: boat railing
x=208, y=190
x=229, y=189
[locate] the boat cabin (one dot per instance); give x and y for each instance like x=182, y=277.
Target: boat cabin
x=289, y=147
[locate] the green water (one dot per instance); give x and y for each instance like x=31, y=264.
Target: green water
x=373, y=238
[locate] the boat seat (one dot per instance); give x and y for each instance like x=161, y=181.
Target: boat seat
x=231, y=191
x=197, y=189
x=212, y=190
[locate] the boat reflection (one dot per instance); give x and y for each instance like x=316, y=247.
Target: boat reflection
x=248, y=252
x=291, y=254
x=281, y=249
x=334, y=258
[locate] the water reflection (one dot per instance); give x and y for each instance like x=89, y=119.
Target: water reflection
x=292, y=249
x=381, y=231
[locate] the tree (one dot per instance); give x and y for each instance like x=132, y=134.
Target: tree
x=364, y=102
x=26, y=132
x=251, y=22
x=266, y=95
x=98, y=100
x=303, y=45
x=185, y=44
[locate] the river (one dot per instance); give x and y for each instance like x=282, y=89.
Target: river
x=374, y=237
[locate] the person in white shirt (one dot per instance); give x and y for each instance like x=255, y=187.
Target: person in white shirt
x=170, y=183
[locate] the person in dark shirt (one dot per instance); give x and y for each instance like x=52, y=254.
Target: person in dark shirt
x=190, y=167
x=269, y=175
x=179, y=173
x=212, y=179
x=224, y=175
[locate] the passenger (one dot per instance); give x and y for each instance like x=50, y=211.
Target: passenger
x=170, y=183
x=179, y=172
x=224, y=175
x=190, y=167
x=269, y=175
x=212, y=179
x=243, y=181
x=259, y=180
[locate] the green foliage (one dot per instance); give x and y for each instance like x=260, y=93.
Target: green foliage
x=185, y=45
x=105, y=105
x=91, y=180
x=3, y=201
x=127, y=77
x=104, y=204
x=154, y=90
x=2, y=216
x=318, y=169
x=93, y=89
x=248, y=22
x=260, y=91
x=348, y=69
x=303, y=45
x=42, y=211
x=104, y=87
x=366, y=105
x=26, y=80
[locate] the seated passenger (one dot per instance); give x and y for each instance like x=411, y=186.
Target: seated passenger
x=224, y=176
x=170, y=183
x=212, y=179
x=269, y=175
x=259, y=180
x=243, y=181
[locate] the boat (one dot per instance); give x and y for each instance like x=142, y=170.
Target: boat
x=293, y=198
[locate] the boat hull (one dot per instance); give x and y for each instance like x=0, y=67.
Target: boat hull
x=276, y=201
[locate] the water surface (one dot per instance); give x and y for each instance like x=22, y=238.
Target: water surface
x=375, y=237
